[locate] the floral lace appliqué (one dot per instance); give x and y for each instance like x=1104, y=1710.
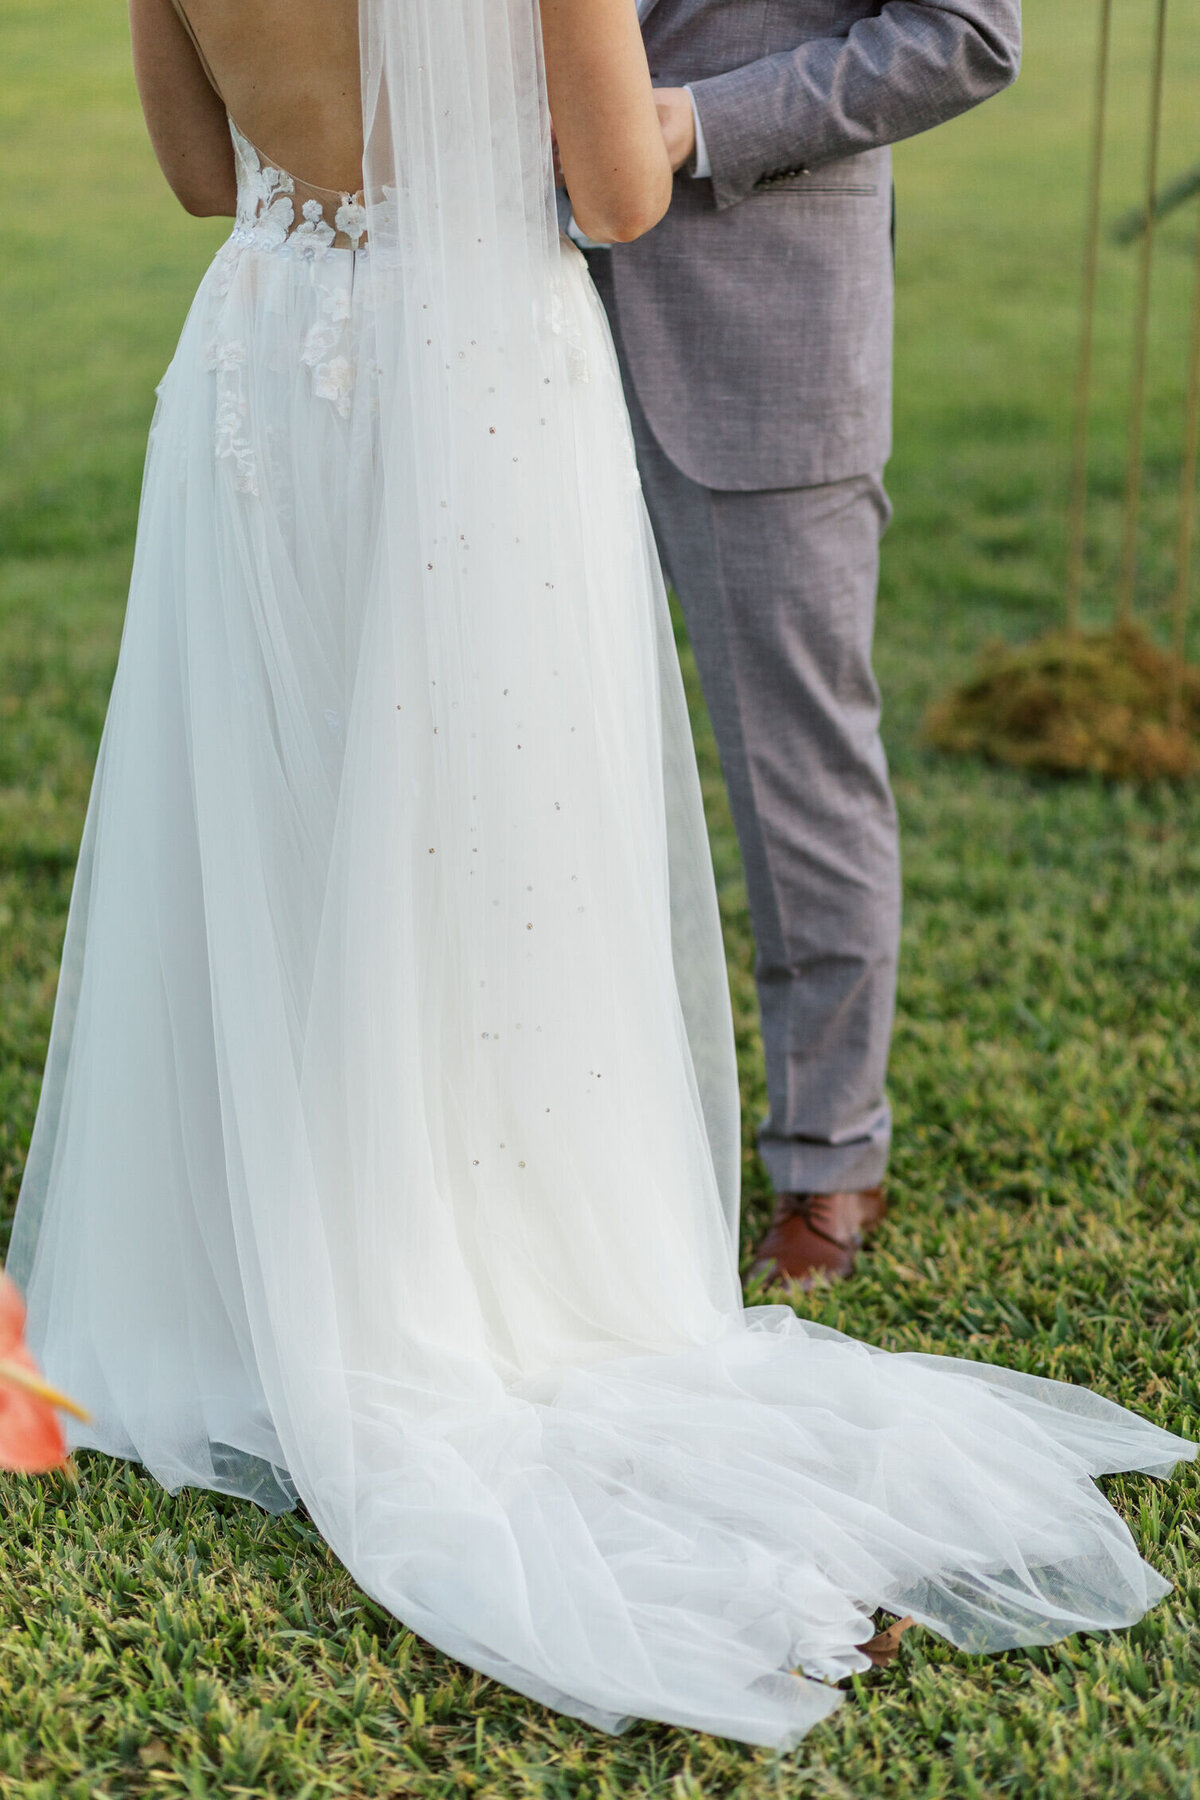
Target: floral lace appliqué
x=323, y=351
x=226, y=359
x=564, y=325
x=231, y=440
x=268, y=199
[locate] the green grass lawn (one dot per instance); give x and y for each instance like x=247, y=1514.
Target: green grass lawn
x=1046, y=1075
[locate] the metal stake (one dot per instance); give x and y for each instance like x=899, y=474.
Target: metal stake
x=1141, y=332
x=1187, y=508
x=1083, y=389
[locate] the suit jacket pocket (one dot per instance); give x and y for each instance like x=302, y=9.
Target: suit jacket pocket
x=790, y=183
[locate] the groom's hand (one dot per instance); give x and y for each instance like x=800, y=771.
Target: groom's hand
x=678, y=123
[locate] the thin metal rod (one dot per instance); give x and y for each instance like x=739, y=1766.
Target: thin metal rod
x=1077, y=511
x=1187, y=507
x=1141, y=332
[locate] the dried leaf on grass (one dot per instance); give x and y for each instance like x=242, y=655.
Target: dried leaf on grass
x=884, y=1645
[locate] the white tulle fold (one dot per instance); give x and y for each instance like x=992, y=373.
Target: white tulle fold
x=388, y=1149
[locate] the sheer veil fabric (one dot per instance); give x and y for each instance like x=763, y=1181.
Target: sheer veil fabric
x=388, y=1149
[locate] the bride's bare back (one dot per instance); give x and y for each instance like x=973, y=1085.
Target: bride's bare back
x=287, y=72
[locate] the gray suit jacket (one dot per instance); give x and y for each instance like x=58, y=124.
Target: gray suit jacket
x=757, y=317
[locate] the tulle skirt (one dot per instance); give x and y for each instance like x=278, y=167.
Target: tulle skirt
x=388, y=1148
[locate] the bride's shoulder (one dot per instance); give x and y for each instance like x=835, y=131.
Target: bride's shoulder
x=185, y=115
x=286, y=71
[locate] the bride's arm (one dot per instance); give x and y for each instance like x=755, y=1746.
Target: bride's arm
x=184, y=116
x=605, y=120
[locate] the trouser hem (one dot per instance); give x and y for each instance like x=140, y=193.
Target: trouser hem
x=797, y=1168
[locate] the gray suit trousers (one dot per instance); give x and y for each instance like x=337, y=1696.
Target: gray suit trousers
x=778, y=592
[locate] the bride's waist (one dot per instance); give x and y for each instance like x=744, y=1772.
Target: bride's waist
x=310, y=234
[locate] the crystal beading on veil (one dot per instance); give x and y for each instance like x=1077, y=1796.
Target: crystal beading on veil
x=388, y=1149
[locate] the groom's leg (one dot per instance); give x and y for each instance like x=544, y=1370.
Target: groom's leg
x=778, y=591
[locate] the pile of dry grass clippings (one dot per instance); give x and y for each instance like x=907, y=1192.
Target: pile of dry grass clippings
x=1090, y=704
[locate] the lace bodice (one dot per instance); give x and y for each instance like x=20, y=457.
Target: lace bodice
x=275, y=209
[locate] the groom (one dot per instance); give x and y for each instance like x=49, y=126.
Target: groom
x=754, y=330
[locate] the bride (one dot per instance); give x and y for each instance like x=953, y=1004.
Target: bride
x=387, y=1154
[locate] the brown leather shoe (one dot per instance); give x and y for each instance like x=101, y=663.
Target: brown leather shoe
x=813, y=1233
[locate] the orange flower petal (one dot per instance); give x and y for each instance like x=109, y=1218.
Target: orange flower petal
x=31, y=1438
x=12, y=1316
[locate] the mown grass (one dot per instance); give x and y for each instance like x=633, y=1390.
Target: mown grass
x=1047, y=1058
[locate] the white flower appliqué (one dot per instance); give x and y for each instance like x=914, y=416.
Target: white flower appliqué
x=351, y=219
x=334, y=381
x=231, y=440
x=314, y=236
x=335, y=303
x=221, y=358
x=333, y=374
x=564, y=325
x=266, y=212
x=321, y=340
x=226, y=358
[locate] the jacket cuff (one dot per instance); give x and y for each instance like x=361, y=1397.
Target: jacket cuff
x=742, y=142
x=699, y=168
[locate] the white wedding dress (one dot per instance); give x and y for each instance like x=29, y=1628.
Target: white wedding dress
x=388, y=1149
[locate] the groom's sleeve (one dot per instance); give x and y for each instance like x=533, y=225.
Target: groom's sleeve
x=913, y=64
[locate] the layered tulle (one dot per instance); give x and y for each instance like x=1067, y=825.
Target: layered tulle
x=388, y=1149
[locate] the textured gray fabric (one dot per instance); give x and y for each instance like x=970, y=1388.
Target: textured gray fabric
x=754, y=327
x=758, y=315
x=778, y=591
